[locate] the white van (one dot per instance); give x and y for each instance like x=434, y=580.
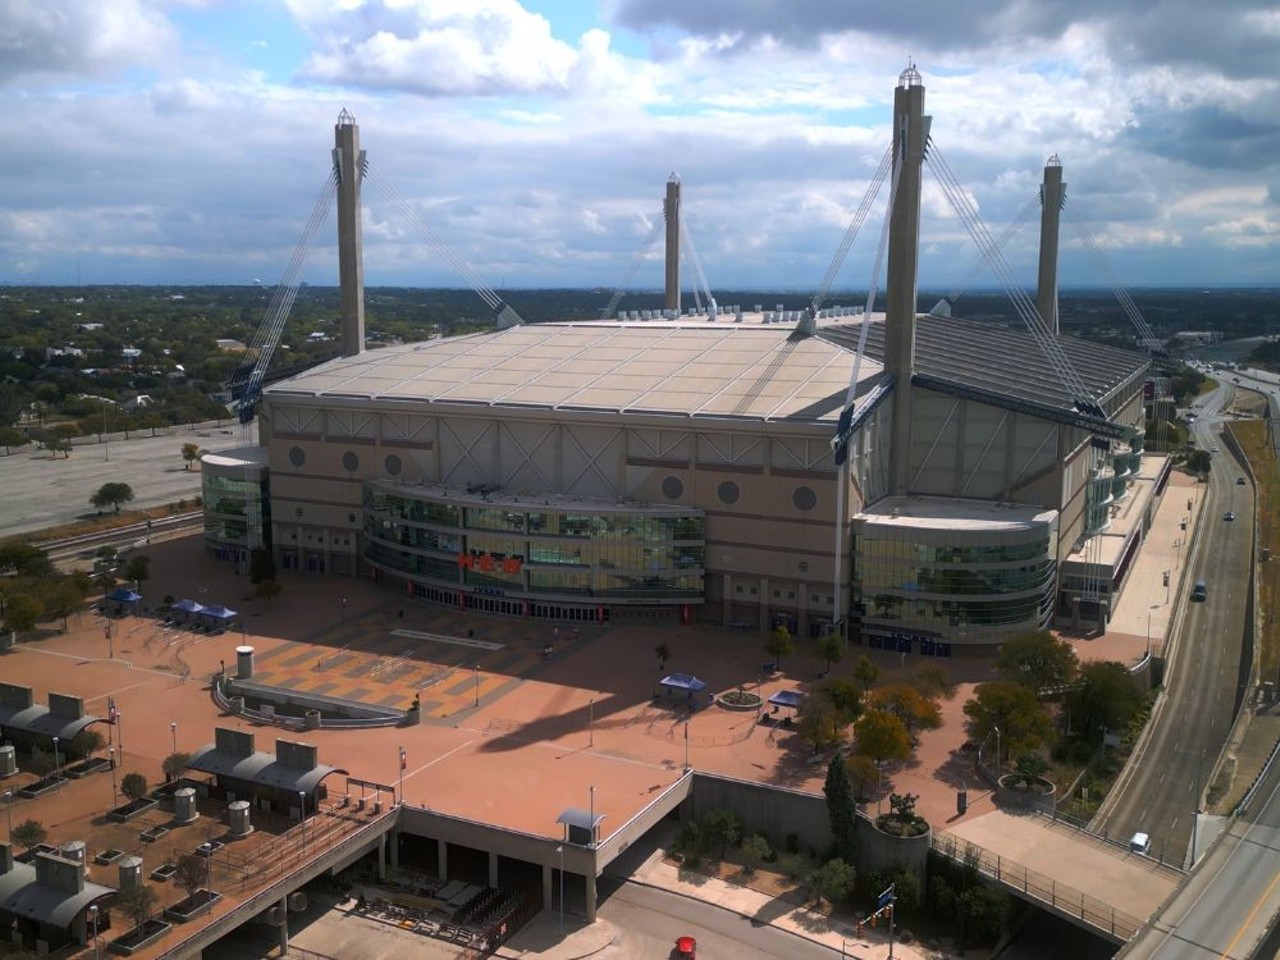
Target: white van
x=1141, y=843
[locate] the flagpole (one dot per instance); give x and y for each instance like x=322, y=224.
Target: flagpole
x=402, y=761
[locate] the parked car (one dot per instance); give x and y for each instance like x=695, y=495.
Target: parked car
x=1239, y=481
x=1229, y=515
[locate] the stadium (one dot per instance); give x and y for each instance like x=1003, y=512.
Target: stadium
x=915, y=481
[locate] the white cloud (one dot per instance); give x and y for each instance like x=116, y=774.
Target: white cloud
x=71, y=38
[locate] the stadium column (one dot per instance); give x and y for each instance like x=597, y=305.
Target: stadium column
x=910, y=132
x=1053, y=193
x=349, y=164
x=671, y=212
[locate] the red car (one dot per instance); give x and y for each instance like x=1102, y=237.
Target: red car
x=686, y=949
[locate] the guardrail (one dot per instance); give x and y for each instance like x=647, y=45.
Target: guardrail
x=131, y=531
x=1114, y=924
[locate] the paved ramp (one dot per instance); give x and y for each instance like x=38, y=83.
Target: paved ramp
x=1072, y=872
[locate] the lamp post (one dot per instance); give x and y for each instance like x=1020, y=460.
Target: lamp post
x=8, y=809
x=120, y=732
x=997, y=730
x=476, y=671
x=591, y=722
x=93, y=913
x=560, y=850
x=173, y=732
x=302, y=817
x=111, y=753
x=106, y=443
x=56, y=764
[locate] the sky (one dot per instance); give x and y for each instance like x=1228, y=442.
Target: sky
x=189, y=141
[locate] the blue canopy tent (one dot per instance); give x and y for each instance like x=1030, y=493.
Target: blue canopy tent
x=680, y=686
x=187, y=608
x=123, y=595
x=217, y=612
x=787, y=698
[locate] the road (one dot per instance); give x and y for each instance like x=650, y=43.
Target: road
x=1224, y=910
x=1178, y=757
x=650, y=919
x=42, y=491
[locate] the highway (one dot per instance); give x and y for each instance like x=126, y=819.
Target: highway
x=1224, y=909
x=1159, y=792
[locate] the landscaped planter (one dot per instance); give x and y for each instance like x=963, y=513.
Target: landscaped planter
x=86, y=767
x=886, y=851
x=107, y=857
x=154, y=834
x=200, y=902
x=135, y=940
x=132, y=809
x=1039, y=794
x=164, y=871
x=742, y=700
x=41, y=787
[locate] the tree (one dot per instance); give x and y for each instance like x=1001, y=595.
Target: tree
x=269, y=589
x=192, y=873
x=779, y=644
x=755, y=851
x=30, y=833
x=1106, y=698
x=62, y=600
x=882, y=736
x=1030, y=767
x=137, y=570
x=841, y=809
x=174, y=764
x=1038, y=659
x=190, y=454
x=863, y=773
x=932, y=680
x=831, y=648
x=833, y=881
x=58, y=438
x=134, y=786
x=830, y=706
x=721, y=827
x=262, y=565
x=112, y=495
x=1014, y=709
x=866, y=672
x=137, y=903
x=1199, y=461
x=664, y=654
x=909, y=705
x=84, y=745
x=22, y=612
x=9, y=437
x=24, y=559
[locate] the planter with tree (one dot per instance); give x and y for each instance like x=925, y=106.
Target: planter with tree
x=133, y=786
x=137, y=903
x=194, y=875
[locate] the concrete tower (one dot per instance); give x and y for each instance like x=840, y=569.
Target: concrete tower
x=910, y=134
x=1053, y=194
x=349, y=165
x=671, y=212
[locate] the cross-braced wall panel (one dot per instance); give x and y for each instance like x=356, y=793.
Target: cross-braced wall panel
x=591, y=460
x=527, y=456
x=466, y=450
x=407, y=428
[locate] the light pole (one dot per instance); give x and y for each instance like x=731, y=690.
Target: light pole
x=120, y=732
x=997, y=730
x=111, y=752
x=93, y=913
x=591, y=722
x=173, y=732
x=686, y=746
x=56, y=764
x=106, y=444
x=8, y=809
x=302, y=817
x=560, y=850
x=476, y=671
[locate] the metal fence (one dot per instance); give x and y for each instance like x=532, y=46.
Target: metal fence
x=1029, y=884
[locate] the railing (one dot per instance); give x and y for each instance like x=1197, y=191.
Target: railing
x=1103, y=917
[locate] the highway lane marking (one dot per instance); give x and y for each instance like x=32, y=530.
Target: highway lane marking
x=1257, y=905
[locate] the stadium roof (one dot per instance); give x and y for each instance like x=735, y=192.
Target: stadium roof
x=698, y=369
x=716, y=369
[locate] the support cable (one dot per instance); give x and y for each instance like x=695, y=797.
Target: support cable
x=1126, y=302
x=641, y=255
x=687, y=242
x=1014, y=225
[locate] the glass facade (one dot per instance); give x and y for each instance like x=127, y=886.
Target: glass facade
x=957, y=592
x=537, y=550
x=237, y=508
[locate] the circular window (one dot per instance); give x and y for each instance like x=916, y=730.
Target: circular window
x=728, y=493
x=351, y=518
x=393, y=465
x=350, y=462
x=804, y=498
x=672, y=488
x=297, y=511
x=297, y=456
x=804, y=566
